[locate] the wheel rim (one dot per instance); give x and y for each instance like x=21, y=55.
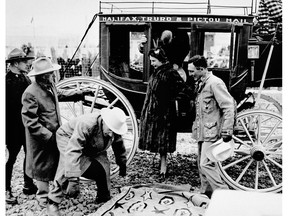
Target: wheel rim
x=105, y=96
x=267, y=103
x=257, y=161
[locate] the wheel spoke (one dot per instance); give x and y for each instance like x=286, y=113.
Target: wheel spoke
x=244, y=170
x=267, y=119
x=235, y=162
x=257, y=175
x=246, y=130
x=268, y=105
x=274, y=150
x=71, y=108
x=242, y=142
x=271, y=132
x=274, y=162
x=94, y=99
x=113, y=102
x=80, y=102
x=269, y=173
x=242, y=151
x=258, y=129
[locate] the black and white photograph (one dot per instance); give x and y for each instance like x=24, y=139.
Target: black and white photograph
x=143, y=108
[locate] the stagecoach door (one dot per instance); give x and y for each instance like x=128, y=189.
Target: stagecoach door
x=225, y=47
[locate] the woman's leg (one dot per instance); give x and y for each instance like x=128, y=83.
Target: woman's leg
x=163, y=167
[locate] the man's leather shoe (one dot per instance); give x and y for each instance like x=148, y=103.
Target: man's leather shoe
x=29, y=190
x=10, y=199
x=52, y=209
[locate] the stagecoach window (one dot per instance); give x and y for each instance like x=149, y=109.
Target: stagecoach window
x=125, y=60
x=217, y=49
x=136, y=58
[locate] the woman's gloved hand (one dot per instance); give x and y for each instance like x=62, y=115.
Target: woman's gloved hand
x=88, y=92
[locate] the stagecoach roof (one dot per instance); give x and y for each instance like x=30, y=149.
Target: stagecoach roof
x=170, y=7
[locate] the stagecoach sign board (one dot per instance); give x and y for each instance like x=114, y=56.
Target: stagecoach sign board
x=179, y=18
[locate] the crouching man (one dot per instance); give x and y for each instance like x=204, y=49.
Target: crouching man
x=82, y=143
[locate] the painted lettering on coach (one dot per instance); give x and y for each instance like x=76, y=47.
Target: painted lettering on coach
x=205, y=19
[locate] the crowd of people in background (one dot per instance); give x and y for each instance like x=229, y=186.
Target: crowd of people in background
x=80, y=65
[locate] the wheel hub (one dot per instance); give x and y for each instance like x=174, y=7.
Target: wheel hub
x=257, y=153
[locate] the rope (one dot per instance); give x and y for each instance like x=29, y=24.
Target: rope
x=89, y=26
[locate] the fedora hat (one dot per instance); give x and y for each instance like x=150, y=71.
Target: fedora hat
x=220, y=150
x=43, y=65
x=17, y=54
x=115, y=119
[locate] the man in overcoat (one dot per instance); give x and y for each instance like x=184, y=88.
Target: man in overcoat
x=41, y=118
x=215, y=118
x=82, y=143
x=16, y=82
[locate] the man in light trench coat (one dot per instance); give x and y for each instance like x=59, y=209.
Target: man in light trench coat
x=41, y=119
x=82, y=143
x=215, y=118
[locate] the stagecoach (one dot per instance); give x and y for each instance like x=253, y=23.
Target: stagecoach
x=233, y=55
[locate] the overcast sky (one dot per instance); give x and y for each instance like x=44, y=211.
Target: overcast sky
x=62, y=17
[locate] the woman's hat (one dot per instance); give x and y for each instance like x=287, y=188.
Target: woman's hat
x=159, y=54
x=115, y=119
x=220, y=150
x=43, y=65
x=17, y=54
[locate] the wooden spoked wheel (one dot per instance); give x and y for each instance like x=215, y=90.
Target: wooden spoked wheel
x=105, y=95
x=257, y=161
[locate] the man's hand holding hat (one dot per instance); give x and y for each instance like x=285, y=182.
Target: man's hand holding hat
x=226, y=138
x=226, y=135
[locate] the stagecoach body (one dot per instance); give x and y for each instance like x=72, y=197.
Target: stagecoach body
x=227, y=42
x=223, y=39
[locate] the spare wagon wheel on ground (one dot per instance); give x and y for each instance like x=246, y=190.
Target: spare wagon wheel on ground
x=256, y=164
x=105, y=95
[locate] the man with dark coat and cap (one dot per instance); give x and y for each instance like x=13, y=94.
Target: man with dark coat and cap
x=41, y=118
x=16, y=82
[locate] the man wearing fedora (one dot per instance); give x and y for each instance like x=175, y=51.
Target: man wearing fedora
x=16, y=82
x=41, y=118
x=82, y=143
x=215, y=118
